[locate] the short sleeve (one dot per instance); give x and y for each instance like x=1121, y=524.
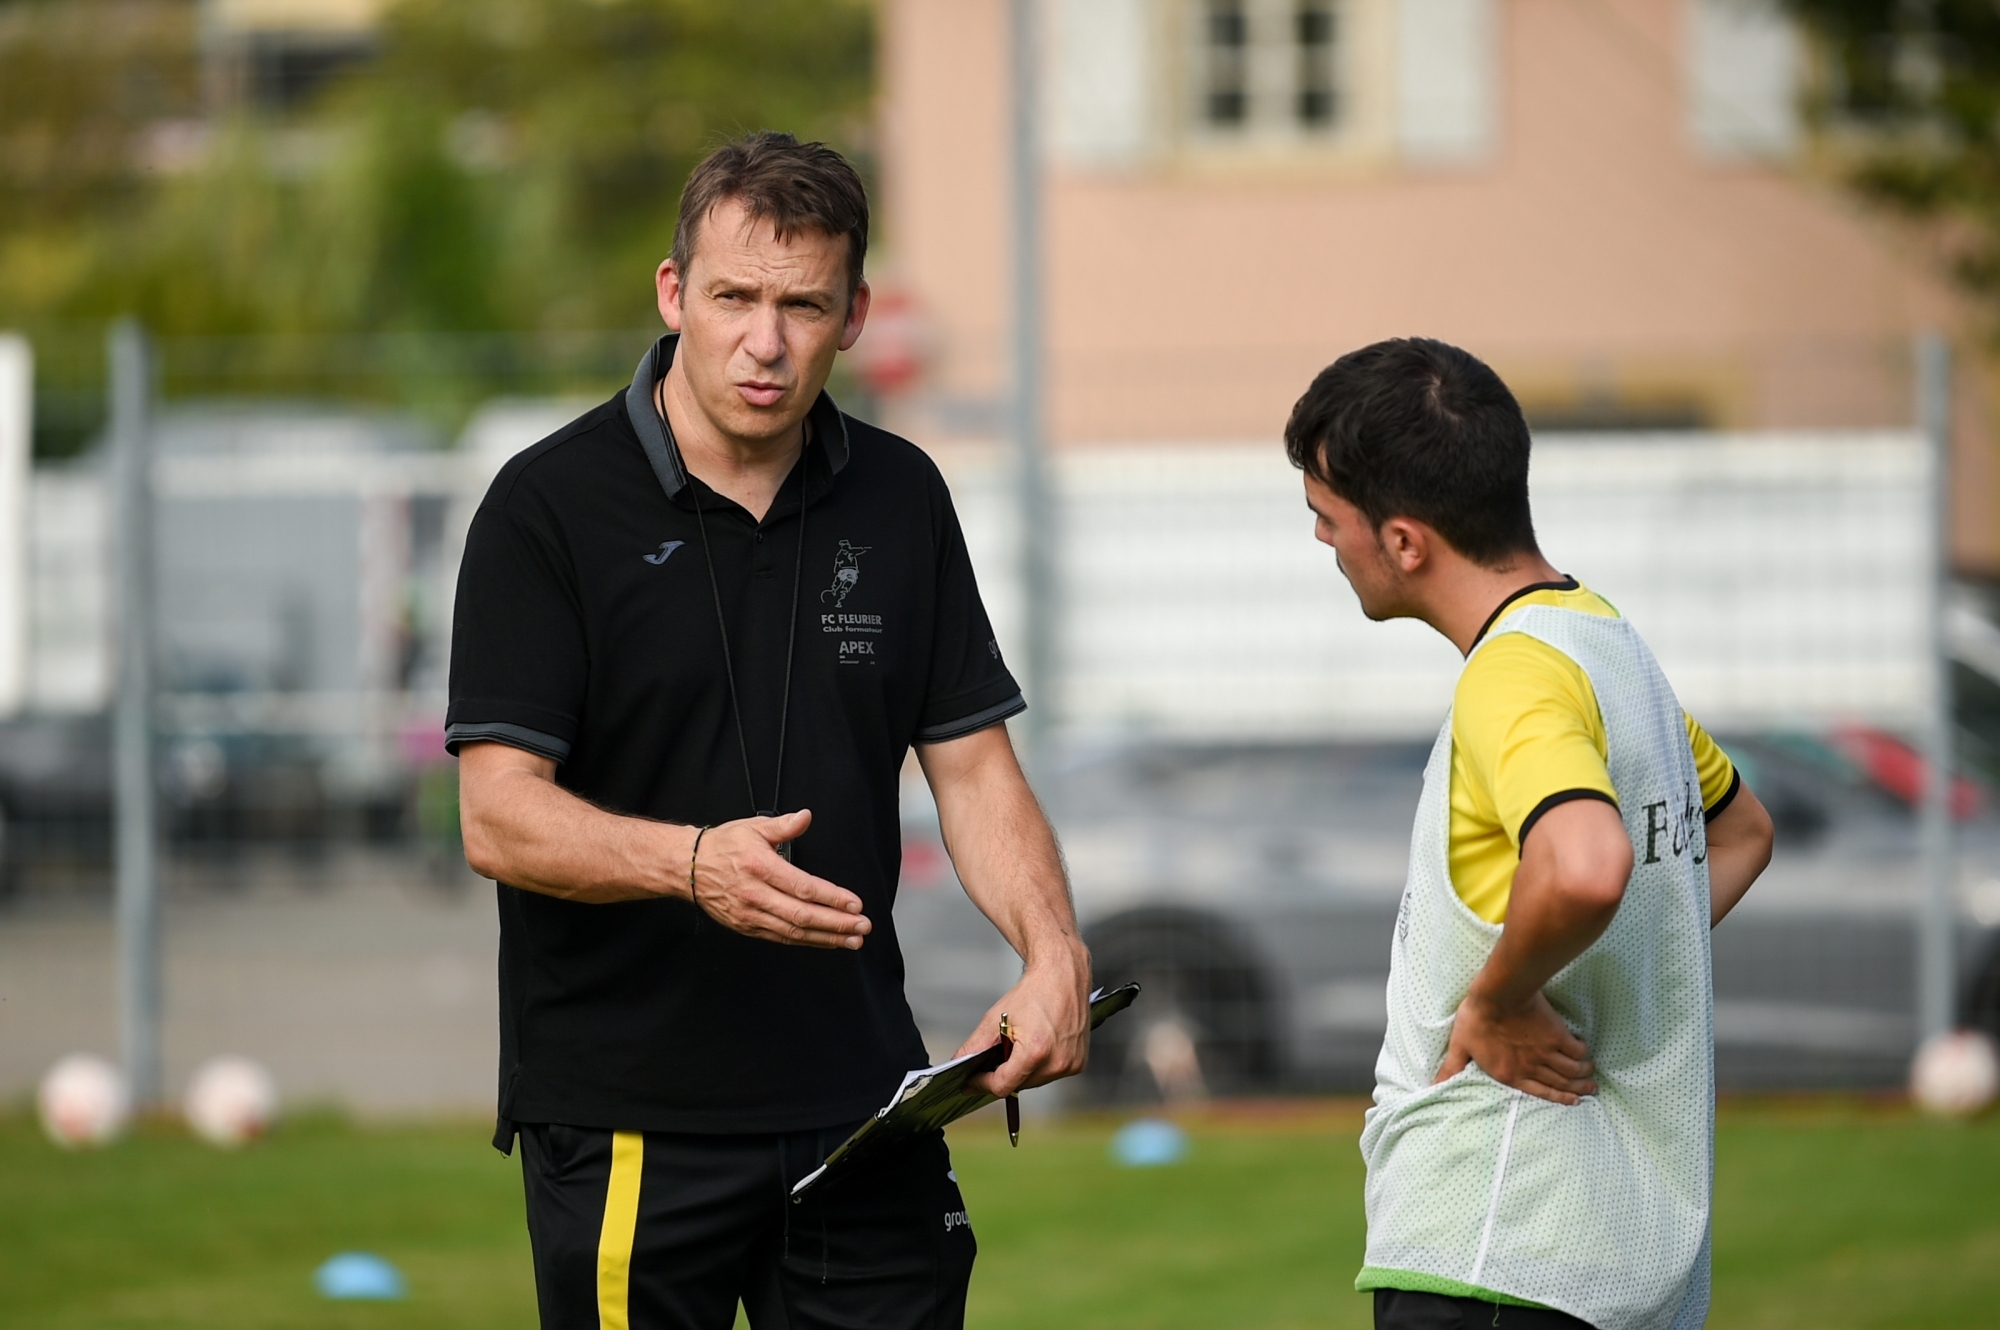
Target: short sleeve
x=1719, y=778
x=970, y=687
x=518, y=659
x=1528, y=721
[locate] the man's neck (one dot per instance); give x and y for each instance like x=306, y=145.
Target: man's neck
x=1464, y=595
x=749, y=471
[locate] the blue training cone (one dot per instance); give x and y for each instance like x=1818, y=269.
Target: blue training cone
x=1149, y=1143
x=359, y=1276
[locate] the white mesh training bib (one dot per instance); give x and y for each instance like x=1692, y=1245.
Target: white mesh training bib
x=1600, y=1210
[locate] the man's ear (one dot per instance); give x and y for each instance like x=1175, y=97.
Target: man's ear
x=1406, y=544
x=667, y=282
x=857, y=314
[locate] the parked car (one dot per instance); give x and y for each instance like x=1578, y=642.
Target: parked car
x=1252, y=888
x=215, y=792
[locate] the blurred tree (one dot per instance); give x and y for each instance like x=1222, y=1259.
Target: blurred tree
x=1908, y=102
x=496, y=165
x=426, y=216
x=79, y=84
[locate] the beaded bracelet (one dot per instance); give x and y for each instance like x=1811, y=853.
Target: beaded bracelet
x=692, y=853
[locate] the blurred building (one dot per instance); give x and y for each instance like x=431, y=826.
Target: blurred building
x=1614, y=202
x=273, y=55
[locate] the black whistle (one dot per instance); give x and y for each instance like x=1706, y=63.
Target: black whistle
x=785, y=849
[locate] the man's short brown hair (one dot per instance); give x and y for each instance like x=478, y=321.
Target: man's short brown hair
x=1414, y=427
x=777, y=179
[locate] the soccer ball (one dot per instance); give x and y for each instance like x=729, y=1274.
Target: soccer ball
x=83, y=1102
x=1955, y=1074
x=230, y=1101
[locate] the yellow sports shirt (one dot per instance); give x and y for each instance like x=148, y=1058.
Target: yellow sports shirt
x=1525, y=736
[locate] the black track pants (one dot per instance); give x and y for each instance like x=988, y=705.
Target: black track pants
x=1399, y=1309
x=667, y=1231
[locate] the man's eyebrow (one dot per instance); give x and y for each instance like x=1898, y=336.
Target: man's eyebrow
x=825, y=295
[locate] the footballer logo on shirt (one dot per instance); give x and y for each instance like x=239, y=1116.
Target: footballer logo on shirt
x=857, y=632
x=1676, y=826
x=846, y=572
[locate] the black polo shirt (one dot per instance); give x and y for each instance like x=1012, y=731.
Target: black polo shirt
x=586, y=631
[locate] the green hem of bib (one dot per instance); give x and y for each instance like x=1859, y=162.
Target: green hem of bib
x=1410, y=1281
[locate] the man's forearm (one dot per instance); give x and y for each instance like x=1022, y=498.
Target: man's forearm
x=522, y=829
x=1572, y=878
x=1001, y=844
x=1542, y=935
x=1006, y=856
x=1575, y=863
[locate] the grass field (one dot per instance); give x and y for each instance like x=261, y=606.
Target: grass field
x=1830, y=1213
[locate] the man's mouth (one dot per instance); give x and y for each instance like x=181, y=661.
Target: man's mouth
x=757, y=392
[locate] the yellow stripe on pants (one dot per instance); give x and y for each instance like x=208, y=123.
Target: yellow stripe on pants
x=621, y=1221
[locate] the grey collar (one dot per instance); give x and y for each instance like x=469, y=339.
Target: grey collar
x=657, y=437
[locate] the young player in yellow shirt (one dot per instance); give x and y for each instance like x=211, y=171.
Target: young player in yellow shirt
x=1540, y=1153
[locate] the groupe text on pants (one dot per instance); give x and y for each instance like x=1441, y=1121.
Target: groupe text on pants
x=669, y=1230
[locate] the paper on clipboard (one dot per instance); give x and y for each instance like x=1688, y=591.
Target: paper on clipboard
x=930, y=1097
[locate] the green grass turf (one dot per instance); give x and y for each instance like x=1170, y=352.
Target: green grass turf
x=162, y=1231
x=1830, y=1213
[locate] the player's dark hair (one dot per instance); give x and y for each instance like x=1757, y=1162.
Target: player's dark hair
x=1414, y=427
x=777, y=179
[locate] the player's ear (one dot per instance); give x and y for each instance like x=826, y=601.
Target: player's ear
x=1406, y=543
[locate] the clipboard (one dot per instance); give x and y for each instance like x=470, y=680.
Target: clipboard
x=930, y=1097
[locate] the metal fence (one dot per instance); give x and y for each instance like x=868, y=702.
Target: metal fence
x=308, y=504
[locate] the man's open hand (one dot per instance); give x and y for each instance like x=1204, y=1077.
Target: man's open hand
x=1527, y=1047
x=1049, y=1012
x=744, y=884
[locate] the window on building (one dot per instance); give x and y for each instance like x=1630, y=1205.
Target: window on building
x=1318, y=93
x=1227, y=53
x=1267, y=67
x=1744, y=67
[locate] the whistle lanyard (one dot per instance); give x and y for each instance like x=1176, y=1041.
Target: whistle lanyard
x=728, y=661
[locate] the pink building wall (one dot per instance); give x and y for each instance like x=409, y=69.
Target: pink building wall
x=1593, y=256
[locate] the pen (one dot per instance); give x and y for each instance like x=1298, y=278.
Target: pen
x=1013, y=1101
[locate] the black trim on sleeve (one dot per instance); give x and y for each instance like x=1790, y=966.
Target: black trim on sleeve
x=978, y=720
x=1568, y=583
x=514, y=736
x=1728, y=796
x=1560, y=797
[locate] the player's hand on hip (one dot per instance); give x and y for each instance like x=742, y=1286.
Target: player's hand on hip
x=1528, y=1047
x=1049, y=1013
x=743, y=883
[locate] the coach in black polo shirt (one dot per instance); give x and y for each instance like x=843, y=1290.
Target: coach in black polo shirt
x=698, y=630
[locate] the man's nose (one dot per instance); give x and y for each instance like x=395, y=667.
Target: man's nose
x=766, y=338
